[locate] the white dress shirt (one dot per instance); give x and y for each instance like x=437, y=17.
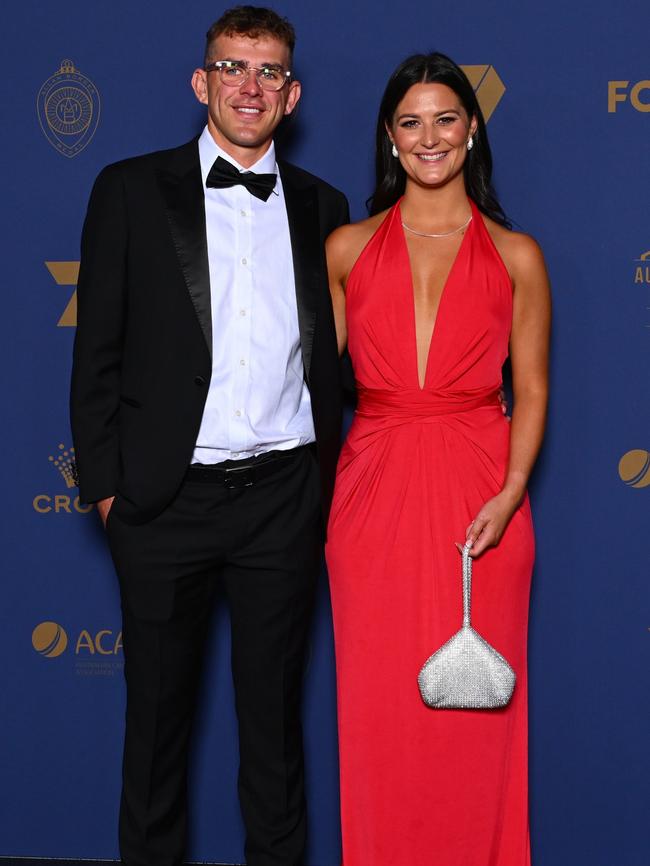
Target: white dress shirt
x=257, y=400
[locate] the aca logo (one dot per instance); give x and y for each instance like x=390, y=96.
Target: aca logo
x=488, y=87
x=49, y=639
x=63, y=463
x=68, y=109
x=620, y=91
x=95, y=654
x=66, y=274
x=104, y=642
x=634, y=468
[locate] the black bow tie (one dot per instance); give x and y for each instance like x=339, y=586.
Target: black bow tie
x=224, y=174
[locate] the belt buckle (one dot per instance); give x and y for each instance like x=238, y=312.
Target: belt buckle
x=239, y=478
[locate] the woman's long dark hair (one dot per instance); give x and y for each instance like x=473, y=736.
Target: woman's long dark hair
x=390, y=176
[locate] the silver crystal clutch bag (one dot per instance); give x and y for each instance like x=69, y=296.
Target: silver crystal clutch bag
x=466, y=673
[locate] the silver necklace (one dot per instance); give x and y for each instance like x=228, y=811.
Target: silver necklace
x=441, y=234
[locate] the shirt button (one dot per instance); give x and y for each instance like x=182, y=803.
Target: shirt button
x=238, y=413
x=242, y=312
x=235, y=453
x=242, y=213
x=244, y=261
x=242, y=362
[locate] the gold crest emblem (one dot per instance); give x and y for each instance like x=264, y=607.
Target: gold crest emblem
x=68, y=109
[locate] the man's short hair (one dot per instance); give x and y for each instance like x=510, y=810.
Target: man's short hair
x=251, y=21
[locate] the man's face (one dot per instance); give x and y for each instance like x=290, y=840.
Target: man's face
x=243, y=119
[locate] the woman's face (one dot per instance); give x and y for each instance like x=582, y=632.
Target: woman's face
x=430, y=130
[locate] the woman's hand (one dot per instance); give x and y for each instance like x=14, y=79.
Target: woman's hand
x=490, y=523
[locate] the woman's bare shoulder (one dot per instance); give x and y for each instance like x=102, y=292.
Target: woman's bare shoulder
x=346, y=243
x=520, y=252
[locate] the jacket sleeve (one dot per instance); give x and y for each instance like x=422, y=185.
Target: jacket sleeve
x=101, y=301
x=343, y=212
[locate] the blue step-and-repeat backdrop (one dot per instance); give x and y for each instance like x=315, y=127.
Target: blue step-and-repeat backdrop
x=566, y=88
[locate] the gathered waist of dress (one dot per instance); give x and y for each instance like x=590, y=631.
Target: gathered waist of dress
x=421, y=403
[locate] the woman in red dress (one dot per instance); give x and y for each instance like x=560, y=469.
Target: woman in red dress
x=431, y=294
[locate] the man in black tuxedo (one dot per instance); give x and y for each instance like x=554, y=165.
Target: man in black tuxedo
x=206, y=420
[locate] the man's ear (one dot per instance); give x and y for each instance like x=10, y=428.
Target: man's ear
x=295, y=91
x=200, y=85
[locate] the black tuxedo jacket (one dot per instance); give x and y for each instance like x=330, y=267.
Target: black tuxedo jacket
x=142, y=353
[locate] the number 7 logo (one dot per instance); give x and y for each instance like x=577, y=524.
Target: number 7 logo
x=66, y=274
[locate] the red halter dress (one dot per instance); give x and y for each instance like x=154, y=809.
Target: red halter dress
x=424, y=787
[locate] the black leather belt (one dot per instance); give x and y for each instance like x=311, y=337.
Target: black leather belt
x=243, y=473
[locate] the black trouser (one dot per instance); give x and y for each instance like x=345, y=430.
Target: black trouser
x=263, y=543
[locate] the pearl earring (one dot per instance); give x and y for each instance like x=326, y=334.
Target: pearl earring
x=470, y=143
x=394, y=152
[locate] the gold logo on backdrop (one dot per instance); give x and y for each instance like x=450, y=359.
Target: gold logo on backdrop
x=95, y=653
x=620, y=91
x=642, y=268
x=49, y=639
x=68, y=109
x=488, y=87
x=66, y=274
x=634, y=468
x=104, y=642
x=63, y=460
x=65, y=463
x=642, y=274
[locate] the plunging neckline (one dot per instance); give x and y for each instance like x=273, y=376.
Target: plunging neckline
x=450, y=272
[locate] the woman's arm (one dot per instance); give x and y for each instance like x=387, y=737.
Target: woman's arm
x=529, y=346
x=337, y=252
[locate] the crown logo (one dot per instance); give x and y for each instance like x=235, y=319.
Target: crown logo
x=66, y=66
x=65, y=462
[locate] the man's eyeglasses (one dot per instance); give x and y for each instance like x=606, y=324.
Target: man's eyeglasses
x=234, y=73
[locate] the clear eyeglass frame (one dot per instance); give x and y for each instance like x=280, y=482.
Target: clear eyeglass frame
x=234, y=73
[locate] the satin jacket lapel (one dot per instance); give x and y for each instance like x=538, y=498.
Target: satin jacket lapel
x=302, y=212
x=182, y=190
